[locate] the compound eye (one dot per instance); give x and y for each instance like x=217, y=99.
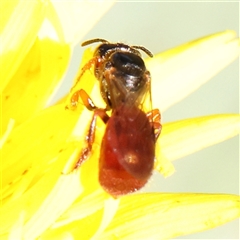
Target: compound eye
x=128, y=63
x=104, y=48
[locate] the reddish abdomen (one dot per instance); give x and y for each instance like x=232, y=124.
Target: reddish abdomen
x=127, y=151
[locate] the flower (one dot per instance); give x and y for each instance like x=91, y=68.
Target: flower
x=41, y=196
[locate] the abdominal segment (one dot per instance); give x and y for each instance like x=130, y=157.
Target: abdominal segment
x=127, y=151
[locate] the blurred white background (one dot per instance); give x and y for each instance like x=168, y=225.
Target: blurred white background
x=162, y=25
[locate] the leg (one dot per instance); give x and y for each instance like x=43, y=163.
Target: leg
x=154, y=117
x=87, y=101
x=75, y=96
x=92, y=62
x=98, y=112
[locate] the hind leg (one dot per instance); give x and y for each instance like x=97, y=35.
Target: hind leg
x=154, y=117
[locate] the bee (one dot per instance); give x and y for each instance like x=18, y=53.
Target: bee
x=128, y=146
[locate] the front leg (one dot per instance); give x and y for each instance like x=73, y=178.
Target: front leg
x=94, y=62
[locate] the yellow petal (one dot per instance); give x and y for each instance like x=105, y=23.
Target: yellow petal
x=85, y=218
x=111, y=206
x=184, y=137
x=31, y=139
x=35, y=154
x=6, y=132
x=163, y=216
x=82, y=207
x=19, y=23
x=66, y=190
x=80, y=229
x=51, y=207
x=29, y=201
x=32, y=85
x=162, y=163
x=180, y=71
